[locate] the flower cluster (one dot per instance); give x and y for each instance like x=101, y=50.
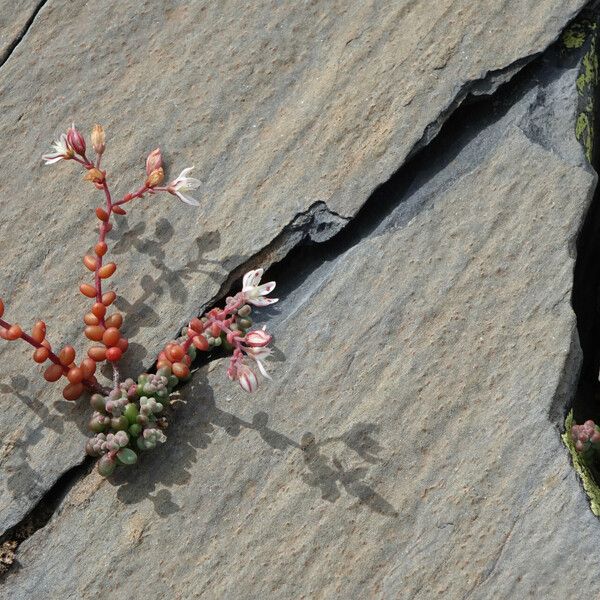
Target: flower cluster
x=228, y=328
x=586, y=438
x=128, y=416
x=100, y=327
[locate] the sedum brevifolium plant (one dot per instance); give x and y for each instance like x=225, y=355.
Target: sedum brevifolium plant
x=586, y=439
x=128, y=415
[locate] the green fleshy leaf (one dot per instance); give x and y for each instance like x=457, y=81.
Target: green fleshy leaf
x=127, y=456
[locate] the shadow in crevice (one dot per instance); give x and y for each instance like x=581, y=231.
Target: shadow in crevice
x=194, y=423
x=458, y=149
x=586, y=288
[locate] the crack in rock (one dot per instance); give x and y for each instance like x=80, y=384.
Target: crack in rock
x=318, y=224
x=17, y=40
x=329, y=234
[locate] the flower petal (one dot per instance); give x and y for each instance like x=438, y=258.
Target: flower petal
x=191, y=183
x=252, y=278
x=184, y=173
x=247, y=379
x=261, y=301
x=266, y=288
x=52, y=158
x=262, y=369
x=187, y=199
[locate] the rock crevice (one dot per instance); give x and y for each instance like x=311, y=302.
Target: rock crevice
x=18, y=9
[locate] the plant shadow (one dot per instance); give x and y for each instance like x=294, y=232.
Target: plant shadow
x=139, y=312
x=195, y=422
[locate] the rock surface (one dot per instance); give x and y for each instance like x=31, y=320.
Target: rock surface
x=408, y=446
x=279, y=106
x=14, y=19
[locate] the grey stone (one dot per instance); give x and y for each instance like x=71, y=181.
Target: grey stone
x=281, y=107
x=15, y=17
x=408, y=446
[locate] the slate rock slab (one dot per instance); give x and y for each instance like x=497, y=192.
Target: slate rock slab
x=409, y=443
x=278, y=105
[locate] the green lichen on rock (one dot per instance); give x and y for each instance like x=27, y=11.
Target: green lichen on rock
x=574, y=36
x=581, y=37
x=584, y=134
x=589, y=485
x=590, y=64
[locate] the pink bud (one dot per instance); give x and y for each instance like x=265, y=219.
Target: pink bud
x=76, y=140
x=258, y=338
x=247, y=379
x=154, y=161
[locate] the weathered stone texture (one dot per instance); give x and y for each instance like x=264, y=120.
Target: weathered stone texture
x=408, y=446
x=278, y=104
x=14, y=17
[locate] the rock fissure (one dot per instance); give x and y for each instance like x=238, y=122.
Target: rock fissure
x=315, y=241
x=585, y=298
x=39, y=516
x=17, y=40
x=316, y=237
x=311, y=240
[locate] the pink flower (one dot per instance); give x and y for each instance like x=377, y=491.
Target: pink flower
x=76, y=140
x=258, y=338
x=183, y=184
x=62, y=151
x=253, y=293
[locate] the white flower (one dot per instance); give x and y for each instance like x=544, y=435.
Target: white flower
x=259, y=354
x=183, y=184
x=62, y=150
x=253, y=292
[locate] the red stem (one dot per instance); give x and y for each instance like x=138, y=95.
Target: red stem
x=51, y=356
x=35, y=344
x=228, y=308
x=102, y=238
x=129, y=197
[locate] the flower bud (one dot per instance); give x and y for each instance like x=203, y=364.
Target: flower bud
x=95, y=175
x=247, y=379
x=98, y=139
x=76, y=140
x=154, y=161
x=155, y=178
